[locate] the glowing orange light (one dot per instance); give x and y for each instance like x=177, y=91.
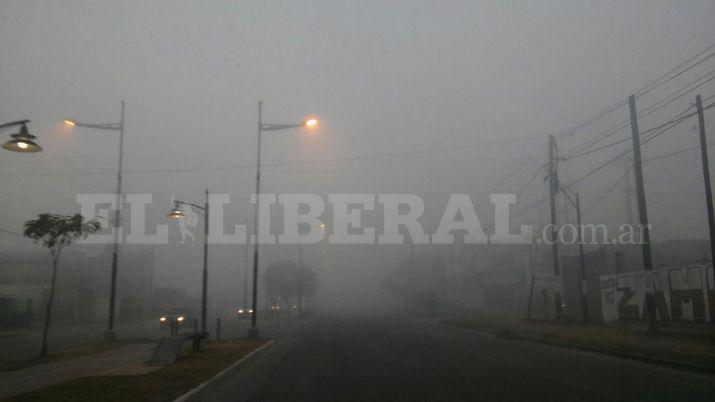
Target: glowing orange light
x=70, y=122
x=311, y=122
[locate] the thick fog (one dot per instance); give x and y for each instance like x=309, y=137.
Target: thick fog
x=427, y=98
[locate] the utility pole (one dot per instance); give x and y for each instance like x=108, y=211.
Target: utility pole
x=582, y=260
x=642, y=210
x=706, y=175
x=627, y=165
x=553, y=189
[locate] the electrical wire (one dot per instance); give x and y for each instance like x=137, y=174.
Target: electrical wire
x=691, y=86
x=289, y=164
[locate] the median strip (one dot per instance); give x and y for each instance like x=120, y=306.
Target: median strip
x=187, y=375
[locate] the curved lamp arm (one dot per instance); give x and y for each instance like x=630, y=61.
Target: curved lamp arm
x=177, y=203
x=13, y=123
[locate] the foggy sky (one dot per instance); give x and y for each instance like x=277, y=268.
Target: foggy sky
x=386, y=78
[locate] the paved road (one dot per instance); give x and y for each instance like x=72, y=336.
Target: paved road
x=361, y=358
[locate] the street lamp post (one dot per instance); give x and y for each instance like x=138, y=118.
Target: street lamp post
x=22, y=141
x=311, y=122
x=176, y=213
x=110, y=334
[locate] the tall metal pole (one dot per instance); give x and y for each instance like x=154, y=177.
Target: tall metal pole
x=582, y=260
x=553, y=189
x=245, y=277
x=110, y=335
x=300, y=280
x=706, y=175
x=204, y=283
x=642, y=210
x=253, y=331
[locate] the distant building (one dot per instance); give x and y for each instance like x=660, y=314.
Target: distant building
x=514, y=278
x=82, y=293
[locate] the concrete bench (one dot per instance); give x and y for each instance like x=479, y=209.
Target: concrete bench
x=169, y=349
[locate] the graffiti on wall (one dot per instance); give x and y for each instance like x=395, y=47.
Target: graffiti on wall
x=679, y=294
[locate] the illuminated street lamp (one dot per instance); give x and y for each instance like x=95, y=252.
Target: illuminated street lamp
x=110, y=335
x=22, y=141
x=177, y=213
x=309, y=123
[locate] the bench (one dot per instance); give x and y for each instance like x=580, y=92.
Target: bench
x=169, y=349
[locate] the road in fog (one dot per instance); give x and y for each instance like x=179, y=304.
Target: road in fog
x=356, y=358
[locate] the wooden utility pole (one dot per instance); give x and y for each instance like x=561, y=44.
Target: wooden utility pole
x=582, y=260
x=553, y=189
x=642, y=210
x=706, y=175
x=628, y=164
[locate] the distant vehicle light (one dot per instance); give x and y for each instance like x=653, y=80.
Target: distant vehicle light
x=179, y=319
x=162, y=319
x=240, y=311
x=250, y=311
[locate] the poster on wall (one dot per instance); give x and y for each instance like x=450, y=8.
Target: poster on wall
x=680, y=294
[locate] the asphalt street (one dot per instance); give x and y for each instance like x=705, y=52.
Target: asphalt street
x=367, y=358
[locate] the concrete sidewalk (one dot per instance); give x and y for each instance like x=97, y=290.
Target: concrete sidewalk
x=675, y=343
x=127, y=360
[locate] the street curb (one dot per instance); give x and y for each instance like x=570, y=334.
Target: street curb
x=645, y=359
x=228, y=370
x=565, y=345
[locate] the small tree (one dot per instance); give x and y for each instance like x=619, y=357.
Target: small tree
x=55, y=232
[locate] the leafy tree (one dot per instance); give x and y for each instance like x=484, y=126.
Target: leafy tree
x=55, y=232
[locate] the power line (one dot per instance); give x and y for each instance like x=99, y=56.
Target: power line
x=518, y=194
x=682, y=151
x=608, y=192
x=644, y=90
x=691, y=86
x=288, y=164
x=11, y=232
x=508, y=176
x=677, y=119
x=706, y=58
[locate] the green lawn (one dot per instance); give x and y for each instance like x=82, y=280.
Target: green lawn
x=696, y=349
x=165, y=384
